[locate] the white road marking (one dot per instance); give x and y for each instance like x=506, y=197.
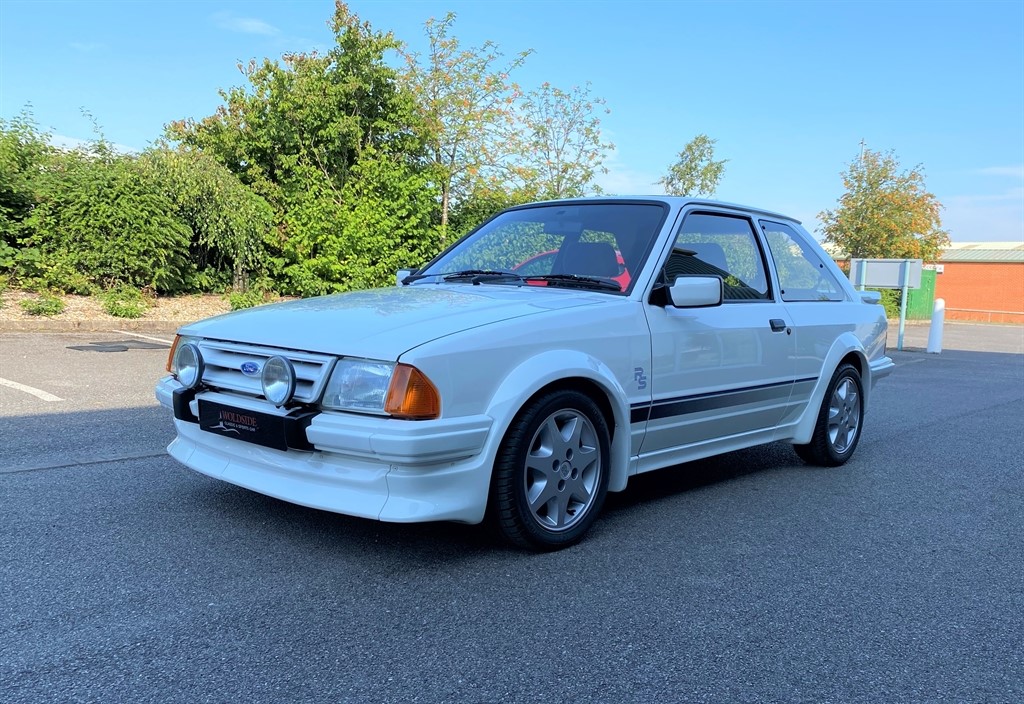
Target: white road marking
x=144, y=337
x=29, y=390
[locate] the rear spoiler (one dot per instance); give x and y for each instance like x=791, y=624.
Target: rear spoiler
x=872, y=297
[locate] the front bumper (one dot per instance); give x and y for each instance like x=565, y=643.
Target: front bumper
x=383, y=468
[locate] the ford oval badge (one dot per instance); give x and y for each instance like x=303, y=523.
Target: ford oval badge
x=250, y=369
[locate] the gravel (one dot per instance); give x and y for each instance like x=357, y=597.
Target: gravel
x=86, y=314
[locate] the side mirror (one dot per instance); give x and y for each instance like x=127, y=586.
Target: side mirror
x=402, y=273
x=696, y=292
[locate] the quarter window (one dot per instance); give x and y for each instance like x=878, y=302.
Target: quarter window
x=720, y=245
x=802, y=274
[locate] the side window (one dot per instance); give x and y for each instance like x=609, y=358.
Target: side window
x=720, y=245
x=802, y=274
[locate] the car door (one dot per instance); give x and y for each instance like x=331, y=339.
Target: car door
x=814, y=300
x=721, y=376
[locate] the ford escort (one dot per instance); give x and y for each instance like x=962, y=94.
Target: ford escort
x=519, y=377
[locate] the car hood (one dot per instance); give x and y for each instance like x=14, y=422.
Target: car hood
x=384, y=323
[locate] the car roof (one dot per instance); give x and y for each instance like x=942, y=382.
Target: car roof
x=677, y=201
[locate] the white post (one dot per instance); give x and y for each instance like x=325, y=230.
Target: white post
x=935, y=333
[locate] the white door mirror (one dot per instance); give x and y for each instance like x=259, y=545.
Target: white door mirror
x=696, y=291
x=402, y=273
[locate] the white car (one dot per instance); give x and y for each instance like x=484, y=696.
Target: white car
x=473, y=390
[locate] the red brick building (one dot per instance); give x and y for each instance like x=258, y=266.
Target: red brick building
x=982, y=281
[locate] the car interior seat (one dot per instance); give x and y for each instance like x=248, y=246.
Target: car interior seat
x=707, y=259
x=709, y=253
x=591, y=259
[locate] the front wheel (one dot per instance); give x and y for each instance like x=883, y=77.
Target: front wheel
x=838, y=427
x=551, y=473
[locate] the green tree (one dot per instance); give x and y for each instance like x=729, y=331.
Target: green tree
x=695, y=173
x=309, y=113
x=466, y=103
x=380, y=222
x=24, y=152
x=308, y=134
x=558, y=149
x=230, y=225
x=885, y=212
x=483, y=202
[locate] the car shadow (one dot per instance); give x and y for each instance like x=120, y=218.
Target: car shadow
x=327, y=534
x=664, y=484
x=133, y=440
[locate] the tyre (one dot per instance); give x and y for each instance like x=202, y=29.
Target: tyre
x=551, y=473
x=838, y=427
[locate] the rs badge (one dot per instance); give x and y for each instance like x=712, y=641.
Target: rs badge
x=640, y=377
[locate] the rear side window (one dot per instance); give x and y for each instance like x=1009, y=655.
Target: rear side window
x=720, y=245
x=802, y=274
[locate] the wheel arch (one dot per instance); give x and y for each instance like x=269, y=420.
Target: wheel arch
x=569, y=370
x=847, y=349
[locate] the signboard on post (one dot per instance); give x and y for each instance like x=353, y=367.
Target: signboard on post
x=886, y=273
x=903, y=274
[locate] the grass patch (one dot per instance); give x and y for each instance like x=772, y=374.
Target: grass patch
x=45, y=304
x=124, y=302
x=248, y=299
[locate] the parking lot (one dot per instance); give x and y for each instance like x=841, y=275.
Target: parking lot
x=744, y=578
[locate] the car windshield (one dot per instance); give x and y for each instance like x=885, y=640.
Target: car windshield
x=583, y=245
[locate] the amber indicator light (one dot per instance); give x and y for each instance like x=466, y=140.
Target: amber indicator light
x=170, y=355
x=412, y=396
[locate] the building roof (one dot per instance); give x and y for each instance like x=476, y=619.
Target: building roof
x=999, y=252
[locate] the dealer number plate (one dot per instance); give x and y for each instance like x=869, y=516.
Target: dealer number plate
x=241, y=424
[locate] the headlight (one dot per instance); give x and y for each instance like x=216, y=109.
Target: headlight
x=359, y=385
x=188, y=365
x=178, y=341
x=368, y=386
x=278, y=381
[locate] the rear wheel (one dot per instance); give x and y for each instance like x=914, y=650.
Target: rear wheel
x=551, y=474
x=838, y=427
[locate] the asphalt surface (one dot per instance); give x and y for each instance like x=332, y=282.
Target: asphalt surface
x=745, y=578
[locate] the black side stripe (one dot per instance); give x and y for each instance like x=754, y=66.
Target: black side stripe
x=683, y=405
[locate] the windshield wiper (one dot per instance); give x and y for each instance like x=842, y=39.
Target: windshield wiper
x=478, y=276
x=577, y=281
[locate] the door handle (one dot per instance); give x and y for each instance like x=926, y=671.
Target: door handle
x=778, y=324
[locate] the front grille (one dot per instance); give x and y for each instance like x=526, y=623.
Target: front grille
x=223, y=368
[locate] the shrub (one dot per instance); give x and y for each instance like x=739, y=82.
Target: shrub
x=890, y=301
x=101, y=220
x=248, y=299
x=45, y=304
x=124, y=302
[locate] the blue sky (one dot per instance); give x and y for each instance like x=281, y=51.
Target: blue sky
x=788, y=89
